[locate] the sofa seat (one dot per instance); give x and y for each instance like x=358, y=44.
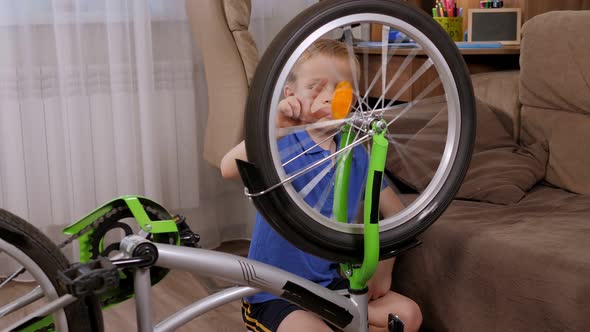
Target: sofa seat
x=488, y=267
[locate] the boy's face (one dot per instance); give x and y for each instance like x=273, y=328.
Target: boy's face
x=311, y=72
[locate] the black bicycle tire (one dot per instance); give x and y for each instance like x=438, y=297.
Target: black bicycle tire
x=277, y=207
x=83, y=315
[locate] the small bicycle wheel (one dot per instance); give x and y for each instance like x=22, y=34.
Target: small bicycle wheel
x=404, y=69
x=26, y=247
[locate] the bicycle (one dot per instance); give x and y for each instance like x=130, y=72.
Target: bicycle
x=77, y=293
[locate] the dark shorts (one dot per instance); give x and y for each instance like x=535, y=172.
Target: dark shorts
x=267, y=316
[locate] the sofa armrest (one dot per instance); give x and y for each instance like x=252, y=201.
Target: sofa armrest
x=220, y=29
x=499, y=90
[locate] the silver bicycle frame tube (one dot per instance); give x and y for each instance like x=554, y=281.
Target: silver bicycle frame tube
x=204, y=305
x=142, y=284
x=348, y=314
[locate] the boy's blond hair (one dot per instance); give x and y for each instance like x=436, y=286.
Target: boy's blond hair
x=323, y=46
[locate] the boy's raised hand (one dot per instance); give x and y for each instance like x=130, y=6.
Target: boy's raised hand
x=296, y=110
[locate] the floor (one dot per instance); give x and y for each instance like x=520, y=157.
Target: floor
x=176, y=291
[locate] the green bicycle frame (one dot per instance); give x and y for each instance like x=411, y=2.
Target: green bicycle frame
x=359, y=276
x=139, y=214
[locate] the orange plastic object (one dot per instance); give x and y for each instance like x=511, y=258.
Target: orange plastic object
x=342, y=100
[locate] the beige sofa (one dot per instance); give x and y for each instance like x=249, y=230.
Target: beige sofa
x=512, y=252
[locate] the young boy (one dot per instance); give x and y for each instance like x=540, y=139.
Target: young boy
x=308, y=92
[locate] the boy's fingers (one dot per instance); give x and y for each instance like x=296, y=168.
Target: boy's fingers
x=287, y=111
x=295, y=108
x=315, y=92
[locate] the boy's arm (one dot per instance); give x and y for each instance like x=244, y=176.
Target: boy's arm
x=229, y=169
x=389, y=202
x=292, y=111
x=380, y=283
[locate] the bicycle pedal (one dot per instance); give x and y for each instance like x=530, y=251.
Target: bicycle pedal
x=93, y=277
x=395, y=324
x=188, y=238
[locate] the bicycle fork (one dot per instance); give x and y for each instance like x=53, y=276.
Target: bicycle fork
x=359, y=276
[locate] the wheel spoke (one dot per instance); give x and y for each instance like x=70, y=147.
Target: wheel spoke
x=412, y=166
x=308, y=168
x=53, y=306
x=366, y=73
x=360, y=102
x=353, y=63
x=397, y=74
x=418, y=137
x=423, y=68
x=409, y=106
x=316, y=179
x=417, y=153
x=20, y=298
x=11, y=277
x=384, y=53
x=21, y=302
x=339, y=153
x=288, y=152
x=424, y=113
x=310, y=126
x=381, y=73
x=324, y=195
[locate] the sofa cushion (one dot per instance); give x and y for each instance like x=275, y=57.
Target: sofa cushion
x=237, y=14
x=501, y=171
x=228, y=68
x=568, y=140
x=555, y=61
x=503, y=175
x=485, y=267
x=499, y=90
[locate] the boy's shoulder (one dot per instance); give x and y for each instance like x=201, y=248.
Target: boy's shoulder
x=298, y=139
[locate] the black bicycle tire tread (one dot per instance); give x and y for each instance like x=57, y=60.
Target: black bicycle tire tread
x=47, y=256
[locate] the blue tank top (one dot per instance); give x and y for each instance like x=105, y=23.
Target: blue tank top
x=269, y=247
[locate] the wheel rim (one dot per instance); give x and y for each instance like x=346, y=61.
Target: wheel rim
x=452, y=137
x=50, y=293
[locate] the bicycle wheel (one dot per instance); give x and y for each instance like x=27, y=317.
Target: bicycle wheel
x=25, y=246
x=412, y=76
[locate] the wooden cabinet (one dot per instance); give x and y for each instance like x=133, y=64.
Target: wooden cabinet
x=478, y=61
x=530, y=8
x=426, y=5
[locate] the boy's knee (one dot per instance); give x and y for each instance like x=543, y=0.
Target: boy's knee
x=301, y=320
x=411, y=315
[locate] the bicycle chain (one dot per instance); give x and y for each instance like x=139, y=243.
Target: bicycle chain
x=94, y=225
